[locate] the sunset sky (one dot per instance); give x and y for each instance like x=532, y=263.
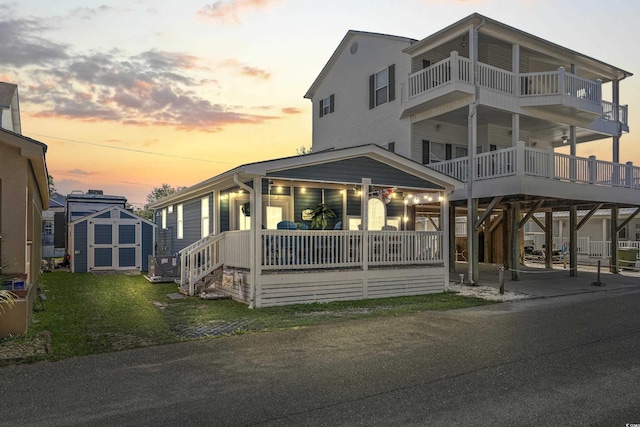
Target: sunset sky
x=130, y=94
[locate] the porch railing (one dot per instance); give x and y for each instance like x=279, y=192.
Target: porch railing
x=557, y=82
x=299, y=250
x=198, y=260
x=522, y=160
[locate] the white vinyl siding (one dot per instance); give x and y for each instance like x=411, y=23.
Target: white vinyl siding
x=356, y=124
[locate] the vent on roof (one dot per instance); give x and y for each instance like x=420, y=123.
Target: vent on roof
x=96, y=192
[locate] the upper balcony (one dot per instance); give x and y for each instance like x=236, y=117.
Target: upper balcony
x=532, y=171
x=551, y=91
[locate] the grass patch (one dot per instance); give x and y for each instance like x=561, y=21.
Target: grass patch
x=89, y=314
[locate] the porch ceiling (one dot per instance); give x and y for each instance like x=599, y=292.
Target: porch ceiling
x=539, y=129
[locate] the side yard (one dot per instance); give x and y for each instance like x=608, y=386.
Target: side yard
x=86, y=313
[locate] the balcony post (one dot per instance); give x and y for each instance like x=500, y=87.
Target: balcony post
x=598, y=99
x=455, y=64
x=520, y=167
x=561, y=81
x=628, y=175
x=551, y=166
x=592, y=170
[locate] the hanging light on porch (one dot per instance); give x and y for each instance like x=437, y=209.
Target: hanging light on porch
x=564, y=137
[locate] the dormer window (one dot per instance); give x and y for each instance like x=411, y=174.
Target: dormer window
x=382, y=87
x=327, y=105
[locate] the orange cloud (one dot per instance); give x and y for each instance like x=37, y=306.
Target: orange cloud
x=228, y=11
x=291, y=110
x=247, y=70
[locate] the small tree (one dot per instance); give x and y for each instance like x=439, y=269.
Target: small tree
x=303, y=150
x=156, y=194
x=52, y=185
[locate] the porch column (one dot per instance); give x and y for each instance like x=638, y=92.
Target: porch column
x=452, y=238
x=255, y=244
x=444, y=228
x=364, y=210
x=472, y=206
x=475, y=245
x=515, y=68
x=515, y=129
x=614, y=239
x=572, y=161
x=515, y=241
x=615, y=88
x=506, y=243
x=573, y=240
x=548, y=239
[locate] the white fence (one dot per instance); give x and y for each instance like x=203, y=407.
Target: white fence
x=586, y=246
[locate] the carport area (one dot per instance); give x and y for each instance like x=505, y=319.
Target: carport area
x=539, y=282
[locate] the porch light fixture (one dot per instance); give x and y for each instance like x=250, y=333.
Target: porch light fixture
x=564, y=137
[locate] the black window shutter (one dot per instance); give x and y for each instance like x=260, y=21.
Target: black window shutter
x=372, y=91
x=332, y=103
x=321, y=108
x=425, y=152
x=392, y=82
x=447, y=149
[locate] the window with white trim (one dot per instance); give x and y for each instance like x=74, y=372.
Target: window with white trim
x=170, y=209
x=382, y=87
x=180, y=229
x=164, y=219
x=204, y=215
x=327, y=105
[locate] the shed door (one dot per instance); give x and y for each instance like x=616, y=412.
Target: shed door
x=115, y=245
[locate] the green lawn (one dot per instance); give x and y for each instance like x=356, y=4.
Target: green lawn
x=88, y=314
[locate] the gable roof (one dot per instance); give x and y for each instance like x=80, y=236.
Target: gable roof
x=35, y=152
x=9, y=101
x=513, y=35
x=7, y=91
x=308, y=164
x=341, y=47
x=112, y=208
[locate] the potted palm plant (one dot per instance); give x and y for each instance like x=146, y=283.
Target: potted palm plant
x=320, y=214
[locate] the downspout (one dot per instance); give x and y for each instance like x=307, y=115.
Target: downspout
x=252, y=240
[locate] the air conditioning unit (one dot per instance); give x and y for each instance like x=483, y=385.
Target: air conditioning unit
x=163, y=268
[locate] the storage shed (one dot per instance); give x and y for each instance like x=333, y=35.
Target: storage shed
x=111, y=239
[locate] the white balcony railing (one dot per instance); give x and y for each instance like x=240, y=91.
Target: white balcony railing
x=558, y=82
x=522, y=160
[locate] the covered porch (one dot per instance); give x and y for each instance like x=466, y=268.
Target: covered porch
x=369, y=247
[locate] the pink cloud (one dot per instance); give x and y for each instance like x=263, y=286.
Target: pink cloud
x=228, y=11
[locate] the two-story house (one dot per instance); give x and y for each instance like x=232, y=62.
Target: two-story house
x=489, y=105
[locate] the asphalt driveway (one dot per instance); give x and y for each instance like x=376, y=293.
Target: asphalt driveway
x=570, y=360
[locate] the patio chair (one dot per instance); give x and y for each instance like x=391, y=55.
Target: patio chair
x=286, y=245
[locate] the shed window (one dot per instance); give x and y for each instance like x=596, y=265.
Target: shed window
x=180, y=230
